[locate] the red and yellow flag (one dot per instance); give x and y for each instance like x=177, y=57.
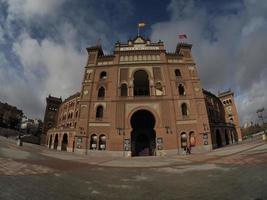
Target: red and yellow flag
x=141, y=24
x=182, y=36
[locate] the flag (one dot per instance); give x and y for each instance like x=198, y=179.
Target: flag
x=182, y=36
x=141, y=24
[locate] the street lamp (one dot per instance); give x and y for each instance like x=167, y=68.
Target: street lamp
x=260, y=116
x=168, y=130
x=121, y=132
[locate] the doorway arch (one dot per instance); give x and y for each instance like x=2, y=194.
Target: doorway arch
x=50, y=142
x=218, y=138
x=56, y=142
x=143, y=135
x=64, y=143
x=226, y=137
x=141, y=83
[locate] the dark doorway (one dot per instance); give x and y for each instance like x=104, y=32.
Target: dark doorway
x=218, y=138
x=64, y=143
x=226, y=137
x=124, y=90
x=141, y=83
x=50, y=142
x=102, y=142
x=93, y=142
x=143, y=134
x=56, y=142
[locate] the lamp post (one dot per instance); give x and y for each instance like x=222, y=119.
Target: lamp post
x=121, y=132
x=178, y=143
x=168, y=130
x=260, y=116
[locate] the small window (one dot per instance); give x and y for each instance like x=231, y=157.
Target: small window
x=99, y=112
x=184, y=109
x=181, y=90
x=103, y=75
x=159, y=89
x=178, y=73
x=101, y=92
x=124, y=90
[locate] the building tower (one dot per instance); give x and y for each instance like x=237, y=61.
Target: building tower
x=231, y=115
x=50, y=117
x=141, y=100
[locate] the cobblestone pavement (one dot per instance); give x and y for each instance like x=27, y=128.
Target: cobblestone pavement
x=35, y=173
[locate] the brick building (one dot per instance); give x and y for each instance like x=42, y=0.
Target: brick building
x=10, y=116
x=140, y=100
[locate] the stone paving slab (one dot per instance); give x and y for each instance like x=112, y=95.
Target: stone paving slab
x=9, y=167
x=12, y=151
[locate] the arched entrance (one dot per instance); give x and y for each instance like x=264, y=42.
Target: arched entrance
x=218, y=138
x=56, y=142
x=50, y=142
x=102, y=142
x=64, y=143
x=143, y=134
x=141, y=83
x=226, y=137
x=93, y=141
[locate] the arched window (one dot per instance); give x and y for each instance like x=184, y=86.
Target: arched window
x=159, y=89
x=124, y=90
x=103, y=75
x=101, y=92
x=181, y=90
x=141, y=83
x=99, y=112
x=184, y=109
x=177, y=73
x=183, y=140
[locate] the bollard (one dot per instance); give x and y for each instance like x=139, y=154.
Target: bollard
x=19, y=142
x=264, y=136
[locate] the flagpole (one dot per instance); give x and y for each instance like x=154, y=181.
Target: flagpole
x=138, y=31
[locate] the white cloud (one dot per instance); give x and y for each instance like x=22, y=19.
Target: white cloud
x=32, y=8
x=228, y=49
x=44, y=48
x=1, y=35
x=51, y=68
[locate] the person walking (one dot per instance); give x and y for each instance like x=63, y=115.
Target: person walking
x=188, y=149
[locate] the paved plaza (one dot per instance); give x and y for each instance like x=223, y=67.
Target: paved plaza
x=33, y=172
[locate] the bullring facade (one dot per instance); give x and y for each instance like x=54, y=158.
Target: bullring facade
x=138, y=101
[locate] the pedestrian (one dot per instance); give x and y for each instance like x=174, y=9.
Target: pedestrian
x=185, y=149
x=188, y=149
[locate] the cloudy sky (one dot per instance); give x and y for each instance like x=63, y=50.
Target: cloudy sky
x=42, y=44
